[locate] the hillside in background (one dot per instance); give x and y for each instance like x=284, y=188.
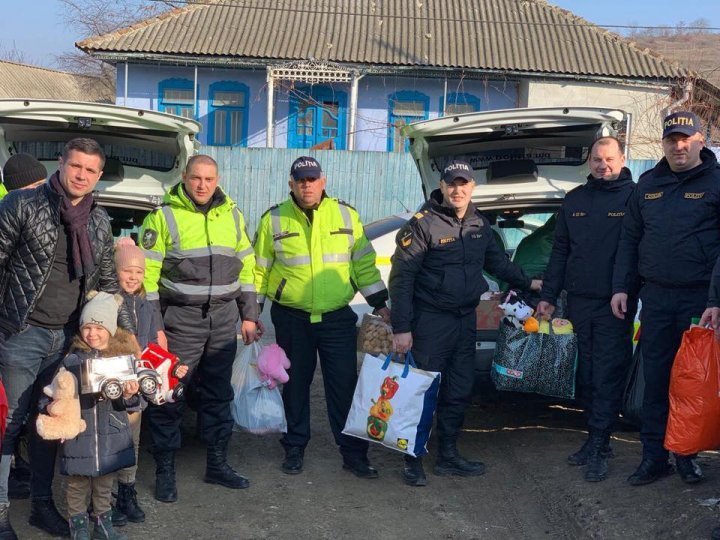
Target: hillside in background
x=698, y=50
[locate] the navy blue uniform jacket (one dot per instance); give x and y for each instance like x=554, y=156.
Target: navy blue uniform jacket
x=586, y=239
x=671, y=231
x=439, y=260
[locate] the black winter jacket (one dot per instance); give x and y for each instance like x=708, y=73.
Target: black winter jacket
x=586, y=239
x=439, y=260
x=29, y=228
x=106, y=445
x=671, y=231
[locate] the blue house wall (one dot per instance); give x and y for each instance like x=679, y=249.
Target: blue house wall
x=373, y=130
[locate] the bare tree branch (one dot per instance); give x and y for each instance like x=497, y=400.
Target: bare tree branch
x=98, y=17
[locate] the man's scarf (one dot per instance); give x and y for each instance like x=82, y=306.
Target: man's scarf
x=75, y=220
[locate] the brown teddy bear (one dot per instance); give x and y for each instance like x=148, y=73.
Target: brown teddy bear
x=63, y=421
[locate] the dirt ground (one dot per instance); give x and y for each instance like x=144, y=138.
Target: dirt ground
x=527, y=492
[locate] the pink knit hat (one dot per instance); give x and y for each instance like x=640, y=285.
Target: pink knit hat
x=128, y=254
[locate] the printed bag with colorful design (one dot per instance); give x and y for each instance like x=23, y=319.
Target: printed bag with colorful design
x=394, y=404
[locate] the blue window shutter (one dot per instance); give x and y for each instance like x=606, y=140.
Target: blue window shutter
x=175, y=96
x=228, y=112
x=317, y=113
x=405, y=107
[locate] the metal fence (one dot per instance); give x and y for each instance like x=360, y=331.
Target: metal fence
x=639, y=166
x=377, y=184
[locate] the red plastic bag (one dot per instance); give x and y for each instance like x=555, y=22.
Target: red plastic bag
x=694, y=419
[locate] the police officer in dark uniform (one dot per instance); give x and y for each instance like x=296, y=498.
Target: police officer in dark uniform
x=671, y=237
x=586, y=239
x=435, y=285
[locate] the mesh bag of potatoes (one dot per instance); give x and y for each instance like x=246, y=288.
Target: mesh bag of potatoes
x=375, y=337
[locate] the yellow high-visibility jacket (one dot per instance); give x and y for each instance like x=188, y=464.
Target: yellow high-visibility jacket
x=3, y=191
x=192, y=258
x=315, y=267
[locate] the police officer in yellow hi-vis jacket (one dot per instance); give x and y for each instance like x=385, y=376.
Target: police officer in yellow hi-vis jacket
x=312, y=255
x=199, y=273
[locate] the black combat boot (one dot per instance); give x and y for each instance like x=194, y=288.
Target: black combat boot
x=597, y=461
x=450, y=462
x=6, y=530
x=688, y=469
x=649, y=471
x=44, y=515
x=580, y=457
x=293, y=463
x=413, y=473
x=217, y=470
x=165, y=489
x=127, y=503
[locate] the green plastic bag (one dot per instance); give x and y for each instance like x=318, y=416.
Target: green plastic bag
x=533, y=251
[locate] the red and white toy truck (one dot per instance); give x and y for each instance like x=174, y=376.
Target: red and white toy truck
x=165, y=364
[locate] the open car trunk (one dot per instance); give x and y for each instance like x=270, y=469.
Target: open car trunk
x=146, y=150
x=518, y=155
x=524, y=162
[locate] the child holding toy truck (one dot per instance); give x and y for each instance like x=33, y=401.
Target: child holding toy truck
x=91, y=459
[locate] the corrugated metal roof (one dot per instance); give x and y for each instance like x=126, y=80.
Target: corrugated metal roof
x=25, y=81
x=507, y=35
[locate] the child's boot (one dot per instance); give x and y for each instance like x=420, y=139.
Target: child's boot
x=79, y=527
x=127, y=503
x=104, y=529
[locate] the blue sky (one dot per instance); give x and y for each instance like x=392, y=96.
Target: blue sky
x=35, y=27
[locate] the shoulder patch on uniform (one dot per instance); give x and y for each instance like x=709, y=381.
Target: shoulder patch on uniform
x=694, y=195
x=340, y=201
x=149, y=238
x=273, y=207
x=653, y=196
x=419, y=215
x=405, y=240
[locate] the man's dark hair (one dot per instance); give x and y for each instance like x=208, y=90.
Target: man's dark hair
x=86, y=146
x=604, y=141
x=201, y=158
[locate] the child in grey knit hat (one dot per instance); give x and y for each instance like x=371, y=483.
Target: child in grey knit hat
x=91, y=460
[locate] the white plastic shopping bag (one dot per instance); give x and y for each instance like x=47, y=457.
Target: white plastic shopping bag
x=394, y=404
x=256, y=408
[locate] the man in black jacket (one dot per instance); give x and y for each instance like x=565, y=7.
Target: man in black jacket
x=671, y=238
x=55, y=245
x=586, y=239
x=435, y=285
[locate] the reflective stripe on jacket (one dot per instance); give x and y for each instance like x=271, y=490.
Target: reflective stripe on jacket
x=315, y=267
x=196, y=258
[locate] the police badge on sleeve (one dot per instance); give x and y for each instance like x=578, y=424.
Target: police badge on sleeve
x=149, y=238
